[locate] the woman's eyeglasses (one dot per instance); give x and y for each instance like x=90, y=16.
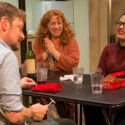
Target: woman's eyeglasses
x=119, y=23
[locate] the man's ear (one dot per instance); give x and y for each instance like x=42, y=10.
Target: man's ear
x=4, y=23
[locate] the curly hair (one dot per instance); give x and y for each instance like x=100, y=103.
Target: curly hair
x=43, y=30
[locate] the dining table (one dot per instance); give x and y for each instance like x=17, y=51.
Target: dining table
x=109, y=101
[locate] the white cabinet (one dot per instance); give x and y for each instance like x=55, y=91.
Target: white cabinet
x=41, y=7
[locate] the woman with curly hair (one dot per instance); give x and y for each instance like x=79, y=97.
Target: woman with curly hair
x=56, y=45
x=55, y=42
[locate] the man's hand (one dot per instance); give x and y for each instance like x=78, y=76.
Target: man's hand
x=27, y=82
x=38, y=111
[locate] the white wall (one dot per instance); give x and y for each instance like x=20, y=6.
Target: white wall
x=14, y=2
x=29, y=3
x=82, y=31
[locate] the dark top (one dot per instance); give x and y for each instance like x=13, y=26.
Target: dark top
x=112, y=59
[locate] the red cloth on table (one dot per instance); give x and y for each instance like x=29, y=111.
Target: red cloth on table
x=117, y=74
x=48, y=87
x=111, y=82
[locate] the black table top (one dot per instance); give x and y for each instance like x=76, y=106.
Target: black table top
x=82, y=93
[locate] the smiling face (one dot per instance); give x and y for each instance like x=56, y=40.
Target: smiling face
x=120, y=30
x=55, y=26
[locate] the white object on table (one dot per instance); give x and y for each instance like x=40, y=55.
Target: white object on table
x=67, y=77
